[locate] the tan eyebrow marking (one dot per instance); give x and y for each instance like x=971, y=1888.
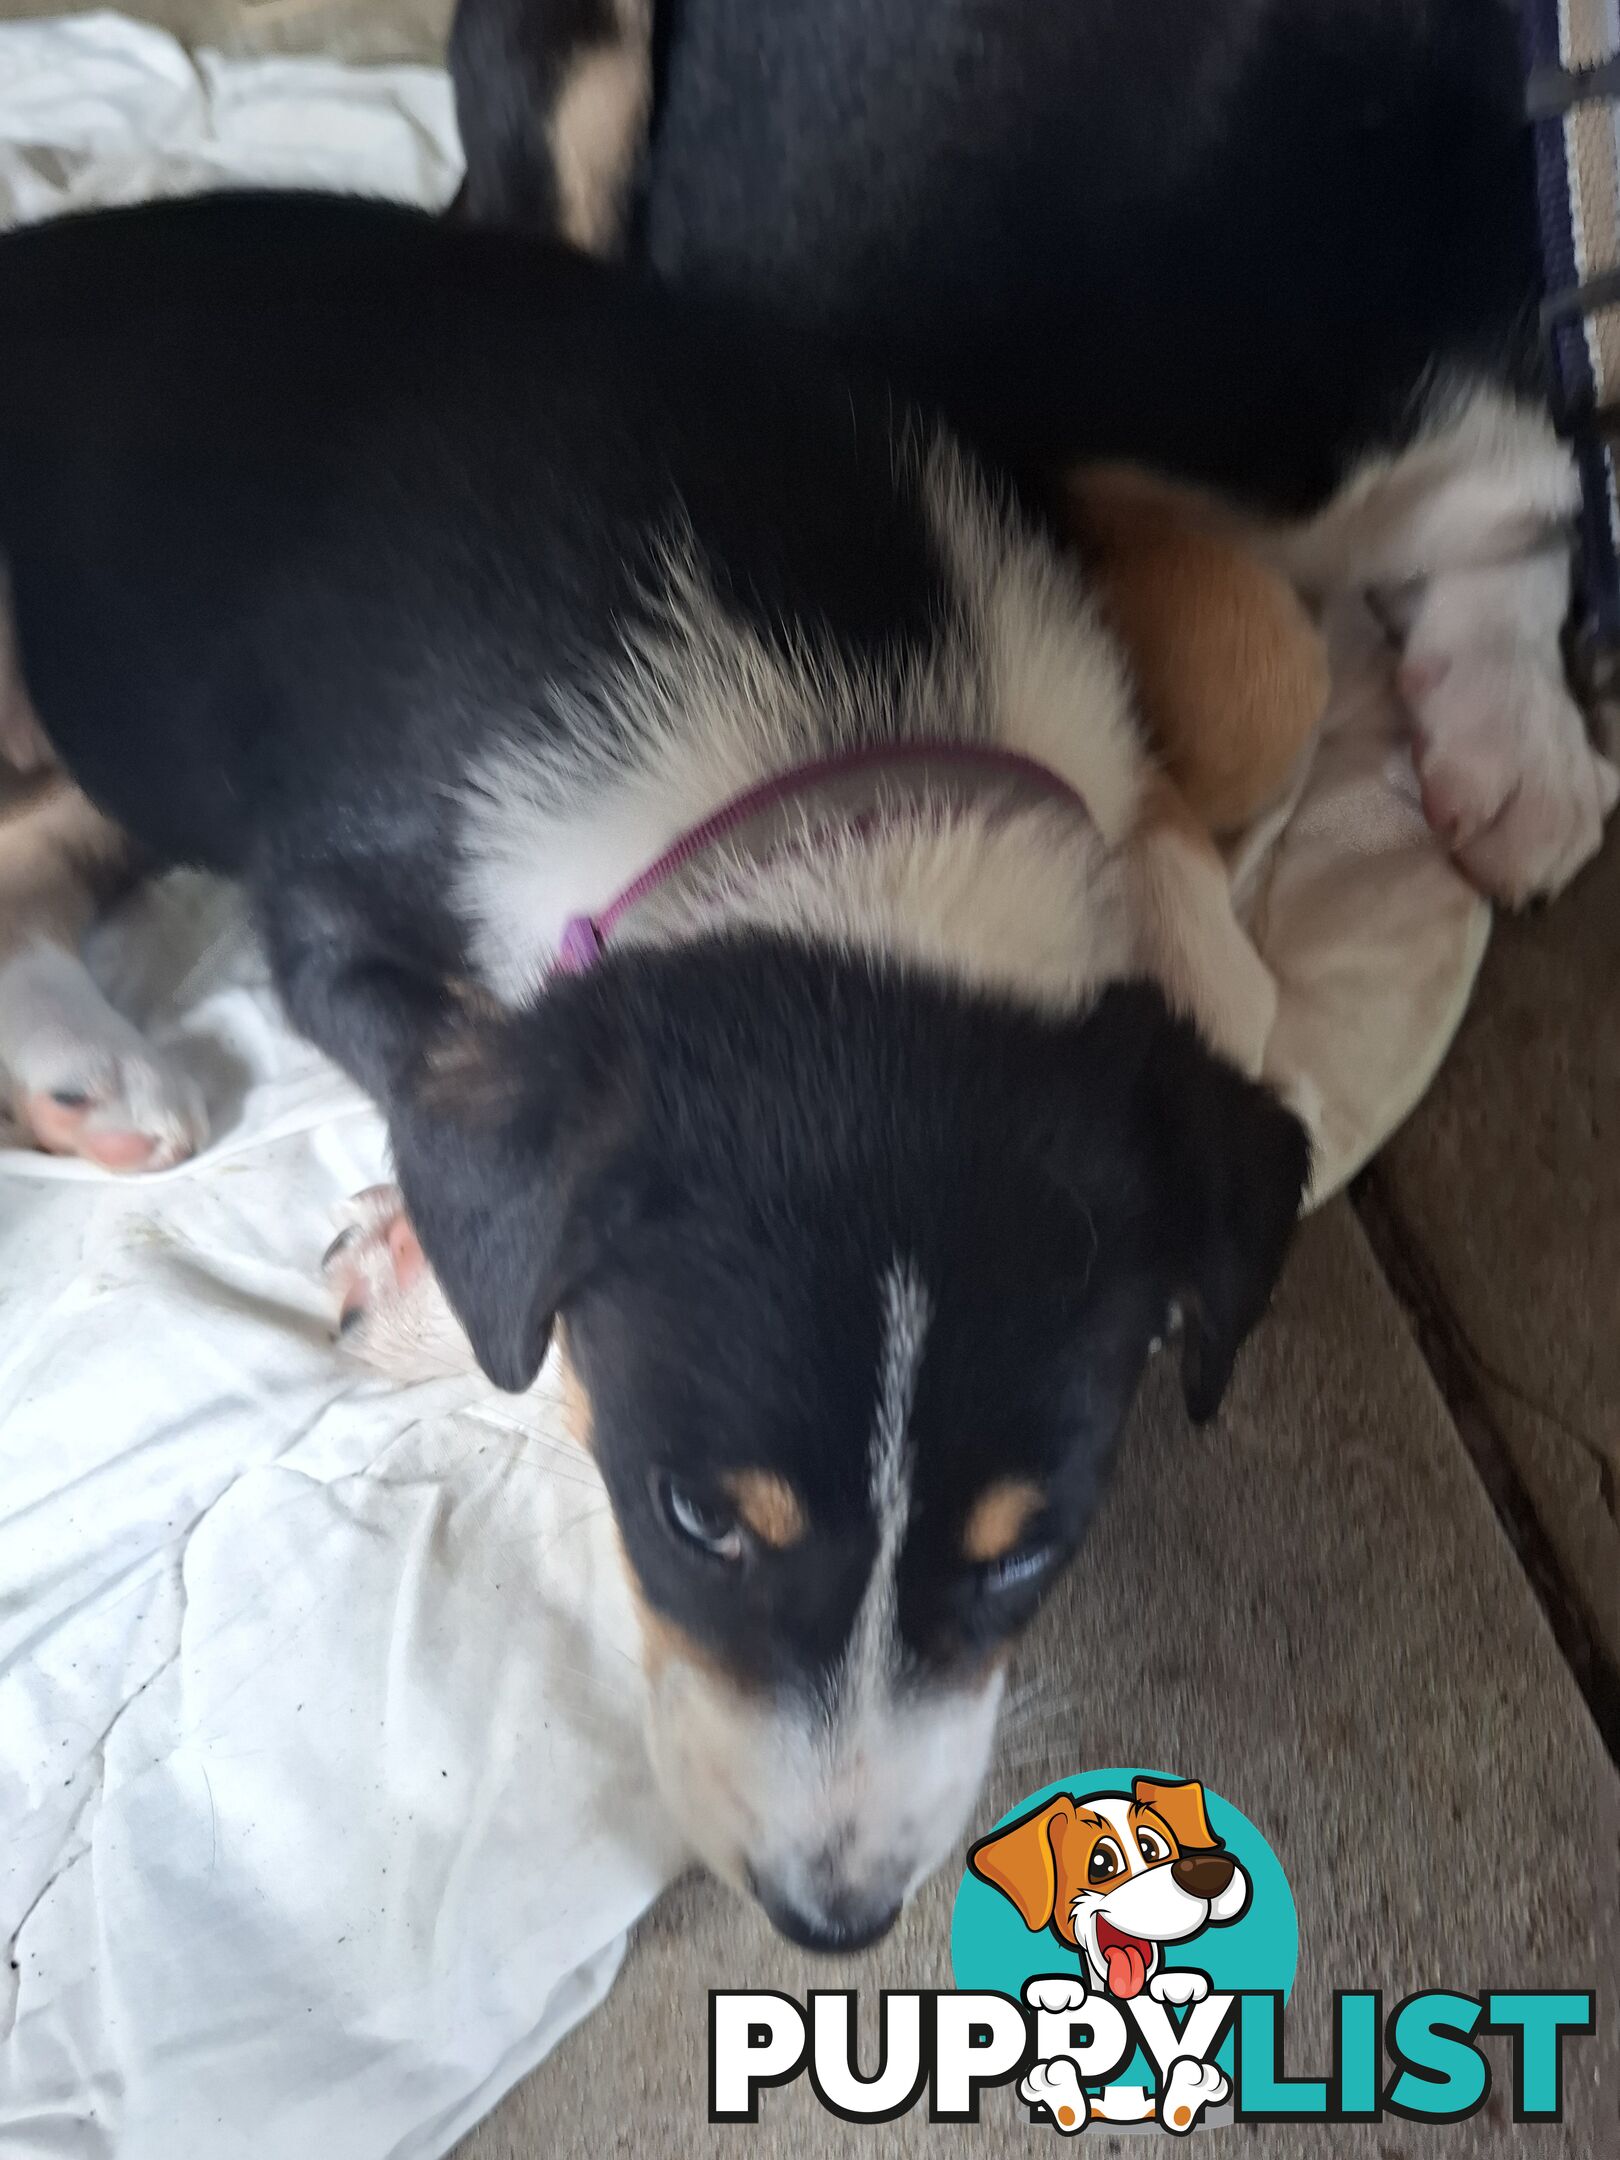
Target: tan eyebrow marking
x=999, y=1517
x=768, y=1505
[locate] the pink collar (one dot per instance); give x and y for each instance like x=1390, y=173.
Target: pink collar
x=848, y=780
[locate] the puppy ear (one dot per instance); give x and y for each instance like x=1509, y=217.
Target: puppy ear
x=515, y=1159
x=1237, y=1164
x=1021, y=1861
x=1182, y=1807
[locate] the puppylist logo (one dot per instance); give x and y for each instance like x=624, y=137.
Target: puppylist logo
x=1124, y=1945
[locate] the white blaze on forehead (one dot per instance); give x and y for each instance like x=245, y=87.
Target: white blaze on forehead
x=857, y=1791
x=874, y=1645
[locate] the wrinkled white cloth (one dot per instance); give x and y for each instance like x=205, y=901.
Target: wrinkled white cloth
x=1374, y=936
x=322, y=1805
x=97, y=109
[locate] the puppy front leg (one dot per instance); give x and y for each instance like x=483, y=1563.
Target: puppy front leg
x=367, y=986
x=74, y=1073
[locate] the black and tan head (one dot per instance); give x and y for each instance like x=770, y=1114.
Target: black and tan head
x=859, y=1274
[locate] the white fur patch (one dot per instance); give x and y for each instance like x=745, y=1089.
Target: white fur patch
x=700, y=709
x=1464, y=538
x=1486, y=479
x=774, y=1797
x=874, y=1647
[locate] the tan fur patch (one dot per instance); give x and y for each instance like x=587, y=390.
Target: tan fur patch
x=768, y=1505
x=466, y=1072
x=999, y=1517
x=1231, y=671
x=597, y=130
x=61, y=861
x=23, y=744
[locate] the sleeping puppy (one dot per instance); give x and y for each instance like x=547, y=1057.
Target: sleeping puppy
x=1281, y=250
x=710, y=821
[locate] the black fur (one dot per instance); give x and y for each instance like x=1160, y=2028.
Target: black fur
x=306, y=505
x=754, y=1133
x=1227, y=237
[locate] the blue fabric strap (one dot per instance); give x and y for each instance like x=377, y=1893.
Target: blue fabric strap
x=1572, y=60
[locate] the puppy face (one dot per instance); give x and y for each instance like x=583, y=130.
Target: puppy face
x=859, y=1277
x=1117, y=1875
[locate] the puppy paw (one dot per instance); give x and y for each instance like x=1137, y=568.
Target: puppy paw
x=1190, y=2088
x=1178, y=1984
x=392, y=1315
x=83, y=1080
x=1510, y=781
x=1056, y=1992
x=1055, y=2086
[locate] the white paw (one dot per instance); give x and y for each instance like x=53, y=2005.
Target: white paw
x=1510, y=781
x=391, y=1312
x=1179, y=1984
x=1056, y=2086
x=1190, y=2088
x=82, y=1079
x=1056, y=1992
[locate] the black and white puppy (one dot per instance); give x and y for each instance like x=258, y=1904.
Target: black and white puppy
x=1284, y=250
x=433, y=582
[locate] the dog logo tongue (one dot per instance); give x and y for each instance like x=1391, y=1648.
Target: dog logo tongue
x=1126, y=1957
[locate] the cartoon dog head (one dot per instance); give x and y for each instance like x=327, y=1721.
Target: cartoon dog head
x=1116, y=1875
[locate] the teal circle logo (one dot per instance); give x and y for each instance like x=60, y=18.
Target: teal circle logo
x=1142, y=1889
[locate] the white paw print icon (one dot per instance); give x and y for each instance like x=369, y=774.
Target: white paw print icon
x=1191, y=2087
x=1056, y=1992
x=1056, y=2086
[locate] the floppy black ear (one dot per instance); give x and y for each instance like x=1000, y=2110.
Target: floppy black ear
x=1237, y=1162
x=518, y=1171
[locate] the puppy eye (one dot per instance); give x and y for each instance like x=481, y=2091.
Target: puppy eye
x=1017, y=1568
x=1152, y=1847
x=697, y=1520
x=1106, y=1861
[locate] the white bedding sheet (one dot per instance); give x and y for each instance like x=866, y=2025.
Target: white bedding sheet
x=322, y=1807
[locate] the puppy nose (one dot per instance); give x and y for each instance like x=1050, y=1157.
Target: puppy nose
x=840, y=1922
x=1203, y=1875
